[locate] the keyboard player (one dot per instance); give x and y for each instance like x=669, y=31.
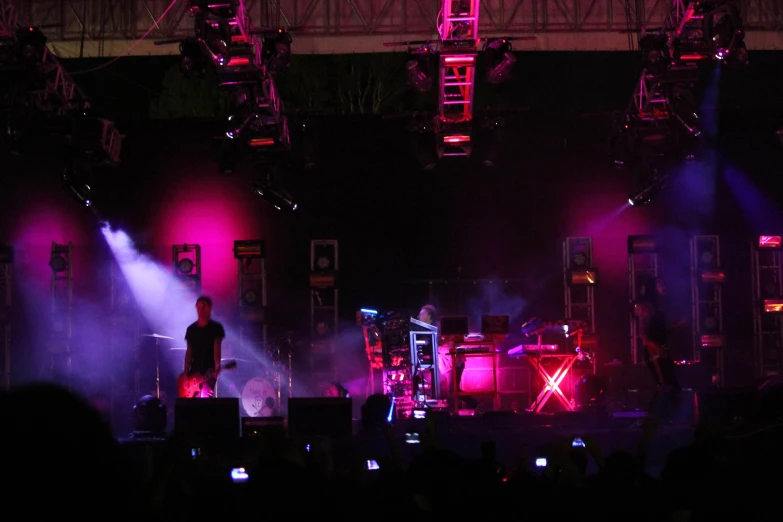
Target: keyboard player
x=429, y=315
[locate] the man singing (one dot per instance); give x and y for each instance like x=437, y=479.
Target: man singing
x=204, y=338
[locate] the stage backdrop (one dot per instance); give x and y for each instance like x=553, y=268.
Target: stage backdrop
x=395, y=222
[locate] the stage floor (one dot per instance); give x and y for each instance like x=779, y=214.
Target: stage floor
x=519, y=438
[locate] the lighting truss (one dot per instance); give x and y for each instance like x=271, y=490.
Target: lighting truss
x=246, y=59
x=458, y=31
x=694, y=31
x=60, y=95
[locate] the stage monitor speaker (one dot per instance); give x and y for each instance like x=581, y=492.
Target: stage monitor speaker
x=320, y=417
x=207, y=420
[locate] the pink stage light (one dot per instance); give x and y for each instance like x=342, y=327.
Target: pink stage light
x=212, y=214
x=770, y=241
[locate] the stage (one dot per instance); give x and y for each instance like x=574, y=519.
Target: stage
x=520, y=438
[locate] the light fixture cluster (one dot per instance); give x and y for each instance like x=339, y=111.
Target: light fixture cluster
x=40, y=100
x=662, y=119
x=246, y=60
x=454, y=55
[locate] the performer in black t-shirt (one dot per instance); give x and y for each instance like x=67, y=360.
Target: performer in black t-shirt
x=654, y=330
x=204, y=338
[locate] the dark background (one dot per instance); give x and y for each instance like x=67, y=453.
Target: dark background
x=395, y=222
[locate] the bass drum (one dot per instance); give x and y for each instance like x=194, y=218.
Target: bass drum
x=259, y=398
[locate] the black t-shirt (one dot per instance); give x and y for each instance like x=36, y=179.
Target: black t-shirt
x=657, y=329
x=201, y=340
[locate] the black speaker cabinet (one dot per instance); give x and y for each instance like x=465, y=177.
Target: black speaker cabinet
x=320, y=417
x=207, y=420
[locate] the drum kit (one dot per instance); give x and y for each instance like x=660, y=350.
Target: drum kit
x=261, y=387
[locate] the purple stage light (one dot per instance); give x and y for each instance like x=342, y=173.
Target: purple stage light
x=162, y=298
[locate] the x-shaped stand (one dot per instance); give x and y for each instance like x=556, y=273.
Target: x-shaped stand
x=551, y=381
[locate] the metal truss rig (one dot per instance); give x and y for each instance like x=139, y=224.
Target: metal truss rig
x=60, y=94
x=246, y=66
x=459, y=41
x=105, y=27
x=671, y=54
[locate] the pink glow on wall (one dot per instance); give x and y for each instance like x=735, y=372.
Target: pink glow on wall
x=36, y=227
x=213, y=214
x=599, y=209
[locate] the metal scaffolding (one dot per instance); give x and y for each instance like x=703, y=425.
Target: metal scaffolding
x=124, y=345
x=579, y=279
x=186, y=263
x=106, y=28
x=579, y=298
x=6, y=304
x=707, y=301
x=251, y=270
x=324, y=306
x=58, y=366
x=57, y=93
x=642, y=265
x=767, y=292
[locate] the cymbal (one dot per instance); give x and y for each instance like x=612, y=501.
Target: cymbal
x=157, y=336
x=179, y=349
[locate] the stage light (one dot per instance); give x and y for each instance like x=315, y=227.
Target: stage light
x=243, y=116
x=58, y=263
x=250, y=297
x=713, y=276
x=276, y=195
x=215, y=31
x=192, y=57
x=185, y=265
x=642, y=245
x=770, y=241
x=417, y=78
x=149, y=416
x=773, y=306
x=582, y=277
x=501, y=61
x=249, y=249
x=366, y=317
x=73, y=181
x=712, y=341
x=655, y=51
x=454, y=145
x=31, y=42
x=276, y=50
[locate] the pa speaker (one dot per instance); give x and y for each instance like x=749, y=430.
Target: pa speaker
x=207, y=420
x=320, y=417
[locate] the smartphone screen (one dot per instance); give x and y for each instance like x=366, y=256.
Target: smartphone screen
x=540, y=462
x=412, y=438
x=577, y=443
x=372, y=465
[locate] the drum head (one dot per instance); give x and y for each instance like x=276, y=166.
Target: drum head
x=259, y=398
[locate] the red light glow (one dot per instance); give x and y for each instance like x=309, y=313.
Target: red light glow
x=770, y=241
x=462, y=60
x=456, y=139
x=773, y=306
x=238, y=62
x=261, y=142
x=713, y=275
